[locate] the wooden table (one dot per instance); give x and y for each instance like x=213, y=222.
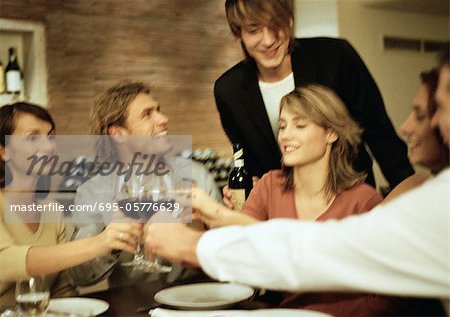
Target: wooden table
x=127, y=300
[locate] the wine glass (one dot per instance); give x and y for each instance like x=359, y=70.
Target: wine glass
x=159, y=192
x=137, y=200
x=32, y=296
x=170, y=197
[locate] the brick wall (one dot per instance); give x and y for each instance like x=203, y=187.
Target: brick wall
x=179, y=46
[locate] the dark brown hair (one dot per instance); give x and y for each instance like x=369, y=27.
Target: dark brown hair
x=431, y=79
x=444, y=57
x=276, y=14
x=9, y=115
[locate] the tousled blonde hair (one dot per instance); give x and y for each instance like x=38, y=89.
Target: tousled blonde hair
x=111, y=108
x=326, y=109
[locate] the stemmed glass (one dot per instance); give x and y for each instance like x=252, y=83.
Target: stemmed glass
x=140, y=198
x=32, y=296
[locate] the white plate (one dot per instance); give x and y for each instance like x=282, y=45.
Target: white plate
x=281, y=312
x=78, y=306
x=277, y=312
x=204, y=295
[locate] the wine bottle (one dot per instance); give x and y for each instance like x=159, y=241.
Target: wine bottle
x=240, y=181
x=2, y=78
x=13, y=76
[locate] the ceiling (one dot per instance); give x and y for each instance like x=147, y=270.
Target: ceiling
x=440, y=7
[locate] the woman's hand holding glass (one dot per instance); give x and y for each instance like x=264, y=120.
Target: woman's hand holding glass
x=214, y=214
x=120, y=236
x=207, y=210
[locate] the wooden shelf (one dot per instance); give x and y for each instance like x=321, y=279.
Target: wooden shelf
x=6, y=99
x=29, y=39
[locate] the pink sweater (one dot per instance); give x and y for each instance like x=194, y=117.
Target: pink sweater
x=269, y=200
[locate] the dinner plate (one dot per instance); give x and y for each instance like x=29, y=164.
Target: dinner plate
x=284, y=312
x=276, y=312
x=78, y=306
x=204, y=295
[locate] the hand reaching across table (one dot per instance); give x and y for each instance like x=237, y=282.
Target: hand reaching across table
x=175, y=242
x=214, y=214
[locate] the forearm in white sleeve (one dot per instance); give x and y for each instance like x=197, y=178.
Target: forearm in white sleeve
x=398, y=248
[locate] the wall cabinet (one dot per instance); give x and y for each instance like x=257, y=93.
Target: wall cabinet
x=29, y=39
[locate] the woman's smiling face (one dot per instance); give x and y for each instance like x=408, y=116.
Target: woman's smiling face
x=301, y=140
x=424, y=147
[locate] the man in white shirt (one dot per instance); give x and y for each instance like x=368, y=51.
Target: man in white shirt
x=400, y=248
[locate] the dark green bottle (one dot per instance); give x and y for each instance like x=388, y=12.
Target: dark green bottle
x=240, y=181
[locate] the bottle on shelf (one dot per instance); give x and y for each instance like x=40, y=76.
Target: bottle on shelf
x=211, y=160
x=12, y=74
x=239, y=181
x=2, y=78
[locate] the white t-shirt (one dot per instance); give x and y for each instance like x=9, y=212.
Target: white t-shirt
x=272, y=94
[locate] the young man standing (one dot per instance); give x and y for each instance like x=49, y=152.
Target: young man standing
x=248, y=94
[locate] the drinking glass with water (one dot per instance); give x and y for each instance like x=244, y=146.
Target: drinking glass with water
x=32, y=296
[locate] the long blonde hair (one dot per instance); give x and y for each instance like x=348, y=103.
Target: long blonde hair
x=326, y=109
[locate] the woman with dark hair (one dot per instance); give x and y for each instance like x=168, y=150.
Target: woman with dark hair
x=32, y=243
x=7, y=127
x=426, y=147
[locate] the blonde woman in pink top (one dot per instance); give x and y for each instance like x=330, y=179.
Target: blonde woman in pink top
x=318, y=140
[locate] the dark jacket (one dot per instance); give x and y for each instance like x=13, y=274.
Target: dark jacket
x=329, y=62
